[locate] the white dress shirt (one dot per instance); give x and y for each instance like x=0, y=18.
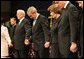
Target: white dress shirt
x=66, y=4
x=21, y=20
x=35, y=19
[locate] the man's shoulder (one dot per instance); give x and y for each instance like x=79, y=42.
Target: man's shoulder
x=42, y=16
x=26, y=20
x=71, y=6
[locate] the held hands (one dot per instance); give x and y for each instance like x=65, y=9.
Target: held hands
x=10, y=45
x=73, y=47
x=47, y=44
x=26, y=42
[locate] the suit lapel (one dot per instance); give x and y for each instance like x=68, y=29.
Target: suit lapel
x=63, y=13
x=18, y=25
x=22, y=21
x=36, y=24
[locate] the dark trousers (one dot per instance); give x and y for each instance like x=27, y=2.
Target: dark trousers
x=11, y=52
x=54, y=51
x=21, y=53
x=42, y=53
x=72, y=55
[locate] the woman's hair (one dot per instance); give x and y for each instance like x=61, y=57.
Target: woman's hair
x=55, y=9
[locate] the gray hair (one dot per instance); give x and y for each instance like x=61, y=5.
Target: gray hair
x=31, y=9
x=21, y=11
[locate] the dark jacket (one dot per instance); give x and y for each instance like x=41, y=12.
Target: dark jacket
x=40, y=32
x=54, y=31
x=68, y=29
x=22, y=32
x=12, y=31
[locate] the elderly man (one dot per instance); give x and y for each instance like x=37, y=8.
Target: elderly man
x=68, y=30
x=40, y=33
x=21, y=35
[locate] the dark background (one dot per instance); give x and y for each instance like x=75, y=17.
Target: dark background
x=9, y=8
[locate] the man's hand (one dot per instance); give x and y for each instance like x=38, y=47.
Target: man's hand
x=10, y=45
x=27, y=42
x=73, y=47
x=47, y=44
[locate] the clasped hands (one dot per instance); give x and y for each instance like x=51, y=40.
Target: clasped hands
x=10, y=45
x=27, y=42
x=46, y=45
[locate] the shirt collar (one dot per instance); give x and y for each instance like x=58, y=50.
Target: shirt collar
x=22, y=19
x=66, y=4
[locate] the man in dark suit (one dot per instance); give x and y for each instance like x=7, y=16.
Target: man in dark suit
x=21, y=35
x=12, y=28
x=40, y=33
x=68, y=30
x=11, y=33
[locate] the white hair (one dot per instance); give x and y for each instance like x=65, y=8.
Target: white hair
x=31, y=9
x=21, y=11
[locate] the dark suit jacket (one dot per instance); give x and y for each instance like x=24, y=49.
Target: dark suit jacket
x=22, y=32
x=54, y=31
x=54, y=39
x=40, y=32
x=68, y=29
x=12, y=31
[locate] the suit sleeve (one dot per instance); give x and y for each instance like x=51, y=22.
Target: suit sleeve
x=28, y=30
x=46, y=28
x=73, y=19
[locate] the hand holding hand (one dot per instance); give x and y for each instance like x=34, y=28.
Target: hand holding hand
x=10, y=45
x=27, y=42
